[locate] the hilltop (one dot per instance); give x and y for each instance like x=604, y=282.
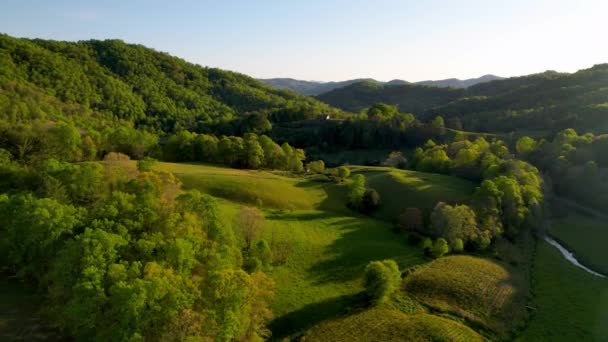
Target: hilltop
x=317, y=88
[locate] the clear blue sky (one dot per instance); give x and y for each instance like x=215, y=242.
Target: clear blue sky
x=338, y=39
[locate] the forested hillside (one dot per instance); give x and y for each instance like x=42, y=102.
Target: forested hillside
x=410, y=98
x=548, y=101
x=114, y=80
x=316, y=88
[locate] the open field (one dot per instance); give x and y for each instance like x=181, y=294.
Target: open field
x=571, y=304
x=247, y=186
x=330, y=244
x=400, y=189
x=586, y=237
x=484, y=292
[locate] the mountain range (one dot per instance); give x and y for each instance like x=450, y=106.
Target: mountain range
x=316, y=88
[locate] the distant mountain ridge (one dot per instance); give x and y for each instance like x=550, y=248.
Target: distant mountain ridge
x=317, y=88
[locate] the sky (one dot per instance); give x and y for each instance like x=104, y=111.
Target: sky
x=333, y=40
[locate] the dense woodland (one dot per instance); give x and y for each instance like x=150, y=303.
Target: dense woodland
x=122, y=252
x=547, y=102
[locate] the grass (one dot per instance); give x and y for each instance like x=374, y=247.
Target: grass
x=322, y=276
x=381, y=324
x=571, y=304
x=19, y=316
x=586, y=237
x=484, y=292
x=246, y=186
x=400, y=189
x=330, y=244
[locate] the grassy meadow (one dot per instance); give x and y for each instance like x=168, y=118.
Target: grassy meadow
x=569, y=303
x=586, y=237
x=330, y=245
x=400, y=189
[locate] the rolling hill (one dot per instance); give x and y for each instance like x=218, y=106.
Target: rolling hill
x=317, y=88
x=145, y=87
x=549, y=101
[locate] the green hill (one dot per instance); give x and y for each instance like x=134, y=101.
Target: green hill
x=137, y=84
x=390, y=325
x=482, y=291
x=409, y=98
x=547, y=101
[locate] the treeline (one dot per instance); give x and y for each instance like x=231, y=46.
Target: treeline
x=122, y=254
x=574, y=165
x=379, y=126
x=549, y=101
x=251, y=151
x=508, y=200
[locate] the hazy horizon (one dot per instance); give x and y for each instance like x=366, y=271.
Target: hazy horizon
x=337, y=40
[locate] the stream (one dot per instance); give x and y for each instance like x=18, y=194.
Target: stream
x=570, y=257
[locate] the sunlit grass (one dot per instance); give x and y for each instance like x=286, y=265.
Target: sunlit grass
x=484, y=292
x=380, y=324
x=400, y=189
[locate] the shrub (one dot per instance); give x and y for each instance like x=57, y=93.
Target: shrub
x=146, y=164
x=427, y=244
x=381, y=279
x=316, y=166
x=458, y=245
x=343, y=172
x=370, y=201
x=440, y=247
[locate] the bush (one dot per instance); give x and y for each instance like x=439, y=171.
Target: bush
x=370, y=201
x=381, y=279
x=427, y=244
x=146, y=164
x=316, y=166
x=343, y=172
x=458, y=245
x=440, y=247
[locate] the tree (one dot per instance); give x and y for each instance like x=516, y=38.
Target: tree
x=316, y=166
x=381, y=278
x=370, y=201
x=440, y=247
x=33, y=230
x=395, y=159
x=525, y=145
x=146, y=164
x=356, y=192
x=411, y=220
x=254, y=154
x=343, y=172
x=454, y=222
x=250, y=222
